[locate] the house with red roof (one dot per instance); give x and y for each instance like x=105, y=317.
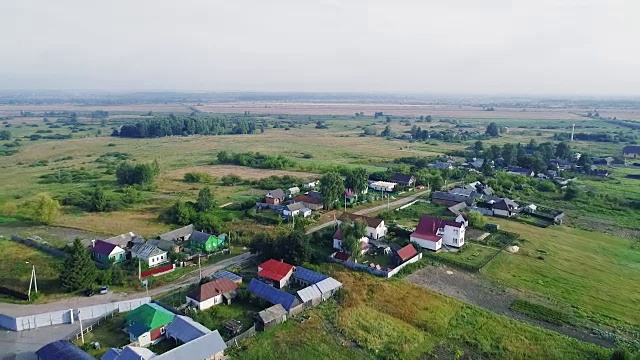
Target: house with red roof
x=105, y=253
x=404, y=254
x=338, y=239
x=433, y=232
x=276, y=272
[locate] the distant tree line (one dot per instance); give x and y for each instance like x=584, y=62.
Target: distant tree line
x=184, y=125
x=598, y=137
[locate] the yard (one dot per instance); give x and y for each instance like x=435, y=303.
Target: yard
x=15, y=269
x=410, y=216
x=108, y=334
x=597, y=274
x=215, y=317
x=472, y=254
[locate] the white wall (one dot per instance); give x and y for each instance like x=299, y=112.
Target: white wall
x=158, y=259
x=452, y=233
x=207, y=303
x=377, y=233
x=426, y=244
x=337, y=244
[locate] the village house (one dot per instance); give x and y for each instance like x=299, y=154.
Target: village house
x=166, y=245
x=212, y=293
x=291, y=192
x=202, y=242
x=147, y=323
x=505, y=208
x=338, y=242
x=61, y=350
x=382, y=186
x=106, y=253
x=449, y=199
x=296, y=209
x=480, y=188
x=310, y=202
x=632, y=151
x=441, y=165
x=404, y=180
x=431, y=233
x=178, y=235
x=375, y=227
x=521, y=171
x=275, y=197
x=277, y=272
x=152, y=255
x=311, y=184
x=126, y=240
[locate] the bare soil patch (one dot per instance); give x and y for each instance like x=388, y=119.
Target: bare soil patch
x=244, y=172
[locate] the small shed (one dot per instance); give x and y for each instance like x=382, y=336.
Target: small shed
x=270, y=317
x=531, y=208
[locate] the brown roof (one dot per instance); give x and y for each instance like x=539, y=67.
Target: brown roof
x=371, y=222
x=338, y=235
x=428, y=227
x=212, y=289
x=308, y=199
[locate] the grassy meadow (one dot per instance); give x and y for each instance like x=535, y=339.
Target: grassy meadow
x=594, y=273
x=385, y=319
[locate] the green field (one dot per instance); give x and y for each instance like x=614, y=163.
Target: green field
x=472, y=254
x=15, y=270
x=595, y=273
x=395, y=320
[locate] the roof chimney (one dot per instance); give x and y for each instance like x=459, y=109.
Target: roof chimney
x=93, y=243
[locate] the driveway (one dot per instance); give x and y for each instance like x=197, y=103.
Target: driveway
x=82, y=301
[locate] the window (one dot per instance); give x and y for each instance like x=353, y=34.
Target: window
x=163, y=330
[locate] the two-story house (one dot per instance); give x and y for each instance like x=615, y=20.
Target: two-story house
x=375, y=228
x=432, y=233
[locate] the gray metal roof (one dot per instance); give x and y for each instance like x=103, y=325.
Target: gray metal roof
x=123, y=239
x=165, y=245
x=146, y=250
x=328, y=284
x=272, y=313
x=296, y=206
x=62, y=350
x=135, y=353
x=201, y=348
x=177, y=233
x=200, y=237
x=225, y=274
x=186, y=329
x=309, y=293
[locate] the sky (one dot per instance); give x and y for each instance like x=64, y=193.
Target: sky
x=543, y=47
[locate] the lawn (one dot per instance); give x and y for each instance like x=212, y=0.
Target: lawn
x=215, y=317
x=595, y=273
x=384, y=261
x=410, y=216
x=15, y=269
x=472, y=254
x=108, y=334
x=383, y=319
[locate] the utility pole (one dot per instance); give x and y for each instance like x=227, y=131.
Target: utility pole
x=81, y=331
x=35, y=279
x=573, y=129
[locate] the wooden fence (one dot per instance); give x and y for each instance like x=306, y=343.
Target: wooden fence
x=247, y=334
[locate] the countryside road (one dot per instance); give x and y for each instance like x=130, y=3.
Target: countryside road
x=81, y=301
x=391, y=205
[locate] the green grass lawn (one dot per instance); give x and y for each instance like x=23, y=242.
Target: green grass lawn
x=473, y=254
x=109, y=334
x=215, y=317
x=382, y=319
x=15, y=269
x=384, y=261
x=593, y=272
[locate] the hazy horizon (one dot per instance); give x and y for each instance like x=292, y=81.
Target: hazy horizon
x=466, y=48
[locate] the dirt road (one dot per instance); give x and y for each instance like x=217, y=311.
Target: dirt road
x=80, y=301
x=474, y=290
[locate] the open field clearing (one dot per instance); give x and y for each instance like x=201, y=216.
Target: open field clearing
x=595, y=273
x=218, y=171
x=396, y=320
x=144, y=108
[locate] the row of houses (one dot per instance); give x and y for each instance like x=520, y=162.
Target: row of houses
x=154, y=252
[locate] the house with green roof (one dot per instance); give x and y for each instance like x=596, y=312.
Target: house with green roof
x=205, y=243
x=147, y=324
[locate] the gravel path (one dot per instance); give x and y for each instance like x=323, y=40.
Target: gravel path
x=474, y=290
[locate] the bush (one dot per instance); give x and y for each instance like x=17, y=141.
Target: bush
x=198, y=177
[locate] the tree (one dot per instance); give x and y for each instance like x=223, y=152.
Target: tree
x=571, y=193
x=331, y=187
x=205, y=200
x=352, y=233
x=78, y=271
x=478, y=146
x=387, y=132
x=492, y=130
x=509, y=154
x=42, y=208
x=485, y=168
x=476, y=219
x=357, y=180
x=128, y=173
x=563, y=150
x=5, y=135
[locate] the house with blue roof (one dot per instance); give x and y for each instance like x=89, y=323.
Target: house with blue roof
x=307, y=277
x=62, y=350
x=271, y=294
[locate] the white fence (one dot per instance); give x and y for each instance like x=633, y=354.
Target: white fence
x=68, y=316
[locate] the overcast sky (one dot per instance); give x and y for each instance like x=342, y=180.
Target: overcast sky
x=438, y=46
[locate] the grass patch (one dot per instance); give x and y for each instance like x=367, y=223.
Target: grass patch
x=108, y=334
x=472, y=255
x=592, y=272
x=15, y=269
x=215, y=317
x=540, y=312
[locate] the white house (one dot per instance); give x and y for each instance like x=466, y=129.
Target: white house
x=382, y=186
x=296, y=209
x=461, y=219
x=338, y=239
x=212, y=293
x=310, y=184
x=432, y=232
x=153, y=255
x=375, y=227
